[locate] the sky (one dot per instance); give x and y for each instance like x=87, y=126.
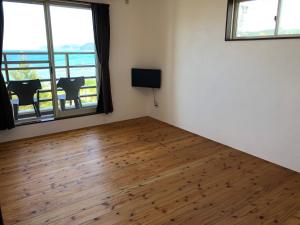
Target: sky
x=290, y=16
x=260, y=15
x=24, y=26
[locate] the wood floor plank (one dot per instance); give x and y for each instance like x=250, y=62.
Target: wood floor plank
x=141, y=171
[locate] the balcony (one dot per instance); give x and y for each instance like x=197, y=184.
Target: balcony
x=36, y=65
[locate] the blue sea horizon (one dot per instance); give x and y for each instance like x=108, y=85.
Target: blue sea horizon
x=86, y=59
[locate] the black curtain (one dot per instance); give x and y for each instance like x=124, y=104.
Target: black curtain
x=1, y=218
x=101, y=25
x=6, y=114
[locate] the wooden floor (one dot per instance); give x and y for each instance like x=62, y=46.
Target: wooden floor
x=141, y=172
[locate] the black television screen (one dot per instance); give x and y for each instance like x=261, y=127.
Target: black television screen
x=146, y=78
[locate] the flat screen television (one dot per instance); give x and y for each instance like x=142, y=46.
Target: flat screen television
x=148, y=78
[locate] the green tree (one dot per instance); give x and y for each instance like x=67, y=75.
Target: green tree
x=24, y=74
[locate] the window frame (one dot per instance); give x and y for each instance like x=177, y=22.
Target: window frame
x=231, y=24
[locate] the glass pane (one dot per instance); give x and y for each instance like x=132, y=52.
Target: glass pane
x=60, y=73
x=29, y=74
x=72, y=29
x=290, y=17
x=89, y=101
x=45, y=96
x=25, y=51
x=46, y=107
x=82, y=59
x=88, y=91
x=28, y=65
x=60, y=60
x=91, y=82
x=46, y=85
x=83, y=72
x=256, y=18
x=21, y=20
x=27, y=55
x=74, y=50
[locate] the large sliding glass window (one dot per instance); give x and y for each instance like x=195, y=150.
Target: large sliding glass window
x=52, y=44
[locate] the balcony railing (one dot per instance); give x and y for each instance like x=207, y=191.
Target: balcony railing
x=36, y=65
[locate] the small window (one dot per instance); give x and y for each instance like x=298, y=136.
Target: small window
x=262, y=19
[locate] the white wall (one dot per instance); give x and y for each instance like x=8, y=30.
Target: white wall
x=130, y=46
x=244, y=94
